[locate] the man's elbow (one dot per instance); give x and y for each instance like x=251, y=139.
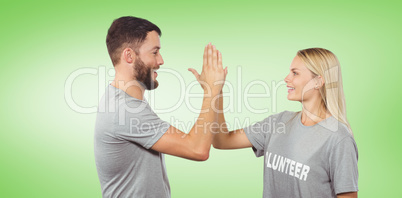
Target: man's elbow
x=201, y=155
x=347, y=195
x=204, y=156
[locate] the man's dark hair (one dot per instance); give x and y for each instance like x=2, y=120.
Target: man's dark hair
x=125, y=32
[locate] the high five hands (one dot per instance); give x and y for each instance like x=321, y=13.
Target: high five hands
x=213, y=75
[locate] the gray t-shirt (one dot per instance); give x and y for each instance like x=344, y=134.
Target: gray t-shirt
x=304, y=161
x=125, y=130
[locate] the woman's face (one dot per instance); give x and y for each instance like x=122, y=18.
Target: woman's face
x=300, y=81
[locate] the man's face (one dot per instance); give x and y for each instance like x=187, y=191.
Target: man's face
x=144, y=74
x=148, y=61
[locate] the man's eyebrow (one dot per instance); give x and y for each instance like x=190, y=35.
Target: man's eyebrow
x=156, y=47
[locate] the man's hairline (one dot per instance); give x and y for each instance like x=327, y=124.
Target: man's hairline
x=136, y=50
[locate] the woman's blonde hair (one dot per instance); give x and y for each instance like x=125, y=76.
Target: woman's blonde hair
x=322, y=62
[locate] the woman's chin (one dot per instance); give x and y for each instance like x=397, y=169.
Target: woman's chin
x=290, y=98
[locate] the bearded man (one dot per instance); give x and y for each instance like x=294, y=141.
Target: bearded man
x=130, y=139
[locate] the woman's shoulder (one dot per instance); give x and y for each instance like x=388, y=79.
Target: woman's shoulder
x=337, y=129
x=284, y=116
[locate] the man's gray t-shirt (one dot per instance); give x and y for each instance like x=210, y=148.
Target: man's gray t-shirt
x=304, y=161
x=126, y=128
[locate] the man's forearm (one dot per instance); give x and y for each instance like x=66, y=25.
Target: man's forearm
x=211, y=79
x=201, y=134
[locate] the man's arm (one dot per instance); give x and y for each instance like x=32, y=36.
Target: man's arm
x=347, y=195
x=196, y=144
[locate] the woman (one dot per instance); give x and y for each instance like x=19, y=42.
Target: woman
x=311, y=153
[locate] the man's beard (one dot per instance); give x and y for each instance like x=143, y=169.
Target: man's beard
x=144, y=75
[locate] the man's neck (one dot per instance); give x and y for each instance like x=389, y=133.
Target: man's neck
x=130, y=86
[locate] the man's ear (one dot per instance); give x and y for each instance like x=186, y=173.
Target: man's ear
x=128, y=55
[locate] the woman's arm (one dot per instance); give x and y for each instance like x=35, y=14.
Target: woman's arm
x=223, y=139
x=231, y=140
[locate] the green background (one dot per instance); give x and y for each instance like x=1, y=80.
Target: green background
x=46, y=147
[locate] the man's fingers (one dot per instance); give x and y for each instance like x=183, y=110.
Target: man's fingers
x=220, y=60
x=214, y=57
x=205, y=58
x=209, y=55
x=226, y=71
x=195, y=73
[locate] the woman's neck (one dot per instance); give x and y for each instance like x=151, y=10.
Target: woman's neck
x=313, y=112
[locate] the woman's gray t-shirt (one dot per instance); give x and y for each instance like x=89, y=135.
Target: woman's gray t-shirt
x=304, y=161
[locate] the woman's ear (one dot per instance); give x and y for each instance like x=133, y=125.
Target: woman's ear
x=319, y=82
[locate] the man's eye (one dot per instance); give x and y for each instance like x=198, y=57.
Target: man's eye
x=155, y=52
x=294, y=73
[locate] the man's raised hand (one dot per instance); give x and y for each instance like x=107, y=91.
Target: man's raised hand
x=213, y=75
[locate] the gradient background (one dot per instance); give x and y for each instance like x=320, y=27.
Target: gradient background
x=46, y=147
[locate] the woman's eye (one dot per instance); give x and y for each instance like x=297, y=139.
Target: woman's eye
x=294, y=73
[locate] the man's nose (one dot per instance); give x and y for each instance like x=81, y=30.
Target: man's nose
x=160, y=60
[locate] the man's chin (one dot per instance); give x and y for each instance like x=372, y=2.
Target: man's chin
x=152, y=85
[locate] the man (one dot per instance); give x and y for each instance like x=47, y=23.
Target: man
x=130, y=139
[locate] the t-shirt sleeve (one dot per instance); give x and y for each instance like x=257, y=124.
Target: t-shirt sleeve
x=136, y=122
x=256, y=134
x=343, y=166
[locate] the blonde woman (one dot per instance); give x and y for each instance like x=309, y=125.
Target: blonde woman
x=311, y=153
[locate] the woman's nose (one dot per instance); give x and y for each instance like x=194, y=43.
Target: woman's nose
x=287, y=79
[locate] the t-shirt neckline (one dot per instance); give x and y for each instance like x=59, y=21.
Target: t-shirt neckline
x=322, y=122
x=126, y=94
